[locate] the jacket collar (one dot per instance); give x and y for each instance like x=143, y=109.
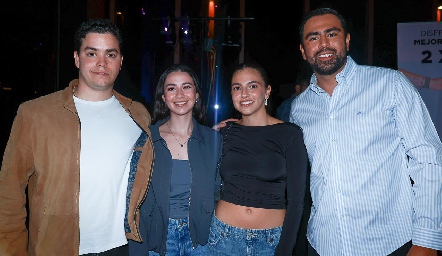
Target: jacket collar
x=68, y=95
x=138, y=116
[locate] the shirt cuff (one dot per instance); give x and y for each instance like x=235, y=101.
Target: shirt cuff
x=427, y=237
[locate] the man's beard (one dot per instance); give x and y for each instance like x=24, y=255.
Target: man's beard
x=328, y=67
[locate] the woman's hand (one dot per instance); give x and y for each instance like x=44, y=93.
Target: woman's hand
x=223, y=123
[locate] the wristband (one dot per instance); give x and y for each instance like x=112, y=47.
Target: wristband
x=427, y=83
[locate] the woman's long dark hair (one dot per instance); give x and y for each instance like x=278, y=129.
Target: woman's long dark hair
x=161, y=110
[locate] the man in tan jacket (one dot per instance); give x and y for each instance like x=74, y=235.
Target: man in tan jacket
x=78, y=161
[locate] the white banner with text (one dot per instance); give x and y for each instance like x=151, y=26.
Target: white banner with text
x=419, y=53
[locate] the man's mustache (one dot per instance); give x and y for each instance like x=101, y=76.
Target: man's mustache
x=325, y=49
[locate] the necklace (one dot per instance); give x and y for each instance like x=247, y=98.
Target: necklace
x=181, y=144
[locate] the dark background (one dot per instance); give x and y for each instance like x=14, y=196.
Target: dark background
x=36, y=45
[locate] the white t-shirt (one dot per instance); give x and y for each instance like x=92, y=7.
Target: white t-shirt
x=108, y=135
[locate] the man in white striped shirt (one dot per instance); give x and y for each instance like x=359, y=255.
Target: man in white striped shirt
x=376, y=157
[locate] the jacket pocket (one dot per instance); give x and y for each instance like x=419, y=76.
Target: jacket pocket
x=152, y=231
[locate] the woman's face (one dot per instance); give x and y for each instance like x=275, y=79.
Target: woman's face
x=249, y=91
x=179, y=93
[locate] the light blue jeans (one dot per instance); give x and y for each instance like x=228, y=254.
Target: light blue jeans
x=178, y=240
x=227, y=240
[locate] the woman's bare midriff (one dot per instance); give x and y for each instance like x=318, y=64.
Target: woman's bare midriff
x=249, y=217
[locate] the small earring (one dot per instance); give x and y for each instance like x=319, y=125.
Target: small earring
x=265, y=103
x=196, y=100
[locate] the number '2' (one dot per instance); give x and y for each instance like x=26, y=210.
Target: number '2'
x=427, y=58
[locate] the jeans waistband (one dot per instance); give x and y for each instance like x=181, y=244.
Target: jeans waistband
x=245, y=232
x=178, y=222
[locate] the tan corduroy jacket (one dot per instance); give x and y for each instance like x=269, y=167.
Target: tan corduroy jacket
x=42, y=157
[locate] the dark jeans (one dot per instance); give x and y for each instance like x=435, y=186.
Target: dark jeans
x=119, y=251
x=402, y=251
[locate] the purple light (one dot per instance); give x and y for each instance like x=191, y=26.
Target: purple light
x=142, y=11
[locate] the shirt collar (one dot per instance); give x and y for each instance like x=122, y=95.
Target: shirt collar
x=341, y=77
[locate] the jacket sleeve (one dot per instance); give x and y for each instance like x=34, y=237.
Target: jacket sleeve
x=17, y=167
x=297, y=169
x=139, y=248
x=219, y=143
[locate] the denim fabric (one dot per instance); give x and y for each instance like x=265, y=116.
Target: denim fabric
x=204, y=150
x=178, y=240
x=232, y=241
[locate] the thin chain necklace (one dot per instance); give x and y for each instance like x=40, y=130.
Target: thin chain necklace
x=181, y=144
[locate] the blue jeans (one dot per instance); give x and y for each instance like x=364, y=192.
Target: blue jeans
x=178, y=240
x=227, y=240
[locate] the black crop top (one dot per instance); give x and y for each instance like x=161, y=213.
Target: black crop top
x=266, y=167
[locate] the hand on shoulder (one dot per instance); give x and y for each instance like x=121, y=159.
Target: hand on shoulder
x=223, y=123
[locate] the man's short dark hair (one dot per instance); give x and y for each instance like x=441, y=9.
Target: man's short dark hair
x=100, y=26
x=320, y=12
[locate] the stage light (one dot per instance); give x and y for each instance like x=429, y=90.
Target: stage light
x=165, y=27
x=167, y=30
x=185, y=32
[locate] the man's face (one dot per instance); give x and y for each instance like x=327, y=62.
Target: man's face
x=325, y=45
x=99, y=62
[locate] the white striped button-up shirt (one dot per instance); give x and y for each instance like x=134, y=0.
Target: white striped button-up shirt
x=365, y=143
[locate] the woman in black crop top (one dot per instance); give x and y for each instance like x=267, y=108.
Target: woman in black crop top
x=263, y=171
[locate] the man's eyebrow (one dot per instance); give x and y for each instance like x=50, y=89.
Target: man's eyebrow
x=332, y=29
x=90, y=48
x=314, y=33
x=111, y=50
x=95, y=49
x=328, y=30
